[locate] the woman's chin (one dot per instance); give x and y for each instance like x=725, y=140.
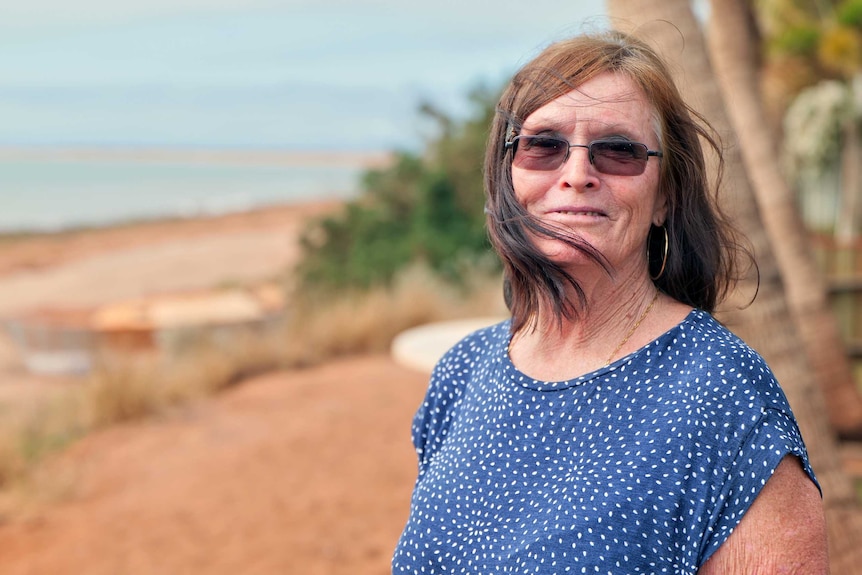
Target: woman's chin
x=566, y=256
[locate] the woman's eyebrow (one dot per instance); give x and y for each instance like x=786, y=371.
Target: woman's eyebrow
x=542, y=132
x=550, y=123
x=617, y=136
x=542, y=126
x=595, y=127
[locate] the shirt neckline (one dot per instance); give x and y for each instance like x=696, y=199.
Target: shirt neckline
x=524, y=380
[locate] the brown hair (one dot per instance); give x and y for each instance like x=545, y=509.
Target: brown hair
x=701, y=260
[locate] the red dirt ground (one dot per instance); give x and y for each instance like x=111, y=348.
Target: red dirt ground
x=305, y=472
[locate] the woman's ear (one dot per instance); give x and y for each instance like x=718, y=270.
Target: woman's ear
x=659, y=216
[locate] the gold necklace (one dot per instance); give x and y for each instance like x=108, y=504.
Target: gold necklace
x=634, y=327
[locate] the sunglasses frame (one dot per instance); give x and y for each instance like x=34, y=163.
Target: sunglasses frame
x=647, y=153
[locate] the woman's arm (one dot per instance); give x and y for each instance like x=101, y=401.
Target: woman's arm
x=784, y=530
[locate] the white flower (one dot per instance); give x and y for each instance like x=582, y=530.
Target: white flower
x=812, y=128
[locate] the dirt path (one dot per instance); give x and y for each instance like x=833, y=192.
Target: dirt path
x=303, y=472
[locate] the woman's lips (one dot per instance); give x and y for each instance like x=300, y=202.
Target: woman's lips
x=570, y=211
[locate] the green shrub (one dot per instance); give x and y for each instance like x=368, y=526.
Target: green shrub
x=423, y=208
x=849, y=13
x=800, y=40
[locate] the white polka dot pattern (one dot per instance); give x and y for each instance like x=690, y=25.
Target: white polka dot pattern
x=644, y=466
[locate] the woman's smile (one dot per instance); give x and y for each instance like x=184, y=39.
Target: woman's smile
x=576, y=214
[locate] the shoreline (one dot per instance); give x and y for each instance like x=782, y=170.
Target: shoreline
x=57, y=191
x=38, y=250
x=24, y=234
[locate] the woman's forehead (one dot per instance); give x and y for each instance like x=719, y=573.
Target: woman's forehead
x=607, y=101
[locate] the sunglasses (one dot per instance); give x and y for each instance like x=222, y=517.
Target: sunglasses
x=611, y=157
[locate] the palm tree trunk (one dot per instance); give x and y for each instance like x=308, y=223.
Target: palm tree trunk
x=766, y=324
x=734, y=55
x=851, y=183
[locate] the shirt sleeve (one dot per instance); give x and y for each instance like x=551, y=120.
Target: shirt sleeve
x=775, y=435
x=434, y=416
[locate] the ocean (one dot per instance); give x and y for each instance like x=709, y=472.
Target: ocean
x=38, y=195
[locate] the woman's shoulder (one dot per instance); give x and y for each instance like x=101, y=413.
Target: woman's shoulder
x=722, y=363
x=488, y=341
x=473, y=352
x=497, y=333
x=708, y=335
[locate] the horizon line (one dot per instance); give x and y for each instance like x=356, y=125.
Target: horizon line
x=194, y=155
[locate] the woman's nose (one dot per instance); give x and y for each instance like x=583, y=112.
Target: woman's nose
x=577, y=171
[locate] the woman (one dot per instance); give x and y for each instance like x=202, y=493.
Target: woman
x=612, y=425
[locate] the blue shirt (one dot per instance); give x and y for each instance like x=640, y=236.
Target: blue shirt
x=642, y=466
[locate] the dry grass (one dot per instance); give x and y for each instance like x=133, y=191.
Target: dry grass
x=125, y=387
x=368, y=321
x=12, y=463
x=30, y=434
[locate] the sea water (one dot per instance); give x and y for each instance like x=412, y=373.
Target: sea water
x=38, y=195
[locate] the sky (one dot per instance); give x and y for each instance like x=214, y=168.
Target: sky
x=258, y=74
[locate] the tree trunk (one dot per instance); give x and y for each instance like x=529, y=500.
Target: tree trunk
x=766, y=324
x=734, y=55
x=851, y=182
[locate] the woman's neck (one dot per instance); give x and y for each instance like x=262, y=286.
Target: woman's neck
x=603, y=330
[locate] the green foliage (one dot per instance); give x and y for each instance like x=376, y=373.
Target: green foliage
x=826, y=35
x=849, y=13
x=421, y=208
x=800, y=40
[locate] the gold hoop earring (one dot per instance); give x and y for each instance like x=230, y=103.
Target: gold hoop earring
x=664, y=255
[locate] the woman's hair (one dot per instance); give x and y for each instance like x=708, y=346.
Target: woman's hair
x=701, y=252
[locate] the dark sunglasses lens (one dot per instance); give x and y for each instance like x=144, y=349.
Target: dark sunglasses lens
x=619, y=158
x=539, y=152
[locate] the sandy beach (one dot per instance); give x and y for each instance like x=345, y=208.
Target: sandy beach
x=296, y=472
x=103, y=264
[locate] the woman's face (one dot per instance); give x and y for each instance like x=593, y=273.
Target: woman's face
x=611, y=212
